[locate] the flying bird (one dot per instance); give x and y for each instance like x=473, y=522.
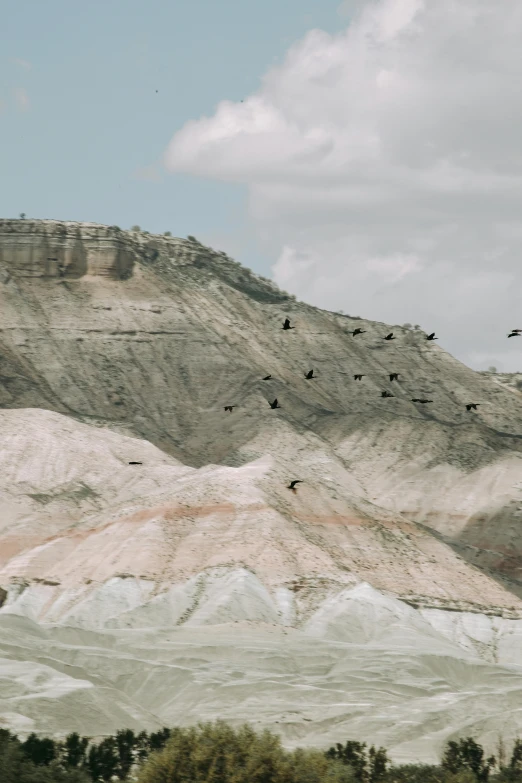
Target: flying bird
x=386, y=394
x=471, y=405
x=394, y=376
x=229, y=407
x=267, y=378
x=286, y=324
x=358, y=377
x=358, y=331
x=293, y=483
x=416, y=399
x=135, y=463
x=308, y=375
x=515, y=333
x=389, y=337
x=274, y=404
x=432, y=336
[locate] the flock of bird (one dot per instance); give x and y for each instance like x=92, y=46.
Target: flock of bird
x=394, y=376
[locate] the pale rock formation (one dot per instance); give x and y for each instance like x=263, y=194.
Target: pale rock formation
x=381, y=601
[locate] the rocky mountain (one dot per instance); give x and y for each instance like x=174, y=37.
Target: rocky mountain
x=154, y=565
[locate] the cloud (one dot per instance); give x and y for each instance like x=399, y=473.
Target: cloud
x=384, y=168
x=21, y=98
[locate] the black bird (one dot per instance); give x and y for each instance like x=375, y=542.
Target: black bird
x=135, y=463
x=515, y=333
x=394, y=376
x=229, y=407
x=416, y=399
x=386, y=394
x=267, y=378
x=432, y=336
x=274, y=404
x=286, y=324
x=293, y=483
x=308, y=375
x=389, y=337
x=358, y=331
x=471, y=405
x=358, y=377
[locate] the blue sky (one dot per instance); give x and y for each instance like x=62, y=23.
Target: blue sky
x=83, y=126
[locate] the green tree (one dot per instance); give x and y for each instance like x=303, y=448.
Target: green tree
x=15, y=767
x=416, y=773
x=158, y=739
x=75, y=750
x=466, y=754
x=39, y=750
x=102, y=760
x=216, y=753
x=378, y=764
x=354, y=755
x=125, y=743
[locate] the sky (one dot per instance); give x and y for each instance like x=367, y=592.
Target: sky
x=366, y=154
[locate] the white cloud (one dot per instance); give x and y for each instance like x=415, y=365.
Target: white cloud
x=385, y=170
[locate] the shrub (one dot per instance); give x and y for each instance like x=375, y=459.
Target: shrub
x=216, y=753
x=135, y=228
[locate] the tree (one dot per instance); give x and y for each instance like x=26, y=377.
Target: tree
x=353, y=754
x=75, y=750
x=39, y=751
x=466, y=754
x=515, y=763
x=378, y=763
x=125, y=742
x=135, y=228
x=167, y=234
x=102, y=761
x=22, y=215
x=158, y=739
x=492, y=369
x=15, y=767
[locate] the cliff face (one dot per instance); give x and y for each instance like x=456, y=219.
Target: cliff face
x=129, y=346
x=68, y=251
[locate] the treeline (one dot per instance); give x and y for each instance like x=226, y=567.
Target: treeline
x=75, y=759
x=217, y=753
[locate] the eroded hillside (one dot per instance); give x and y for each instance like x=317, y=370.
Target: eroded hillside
x=120, y=347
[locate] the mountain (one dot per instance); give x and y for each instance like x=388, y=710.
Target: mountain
x=381, y=601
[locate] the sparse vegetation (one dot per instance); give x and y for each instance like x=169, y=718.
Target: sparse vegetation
x=217, y=753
